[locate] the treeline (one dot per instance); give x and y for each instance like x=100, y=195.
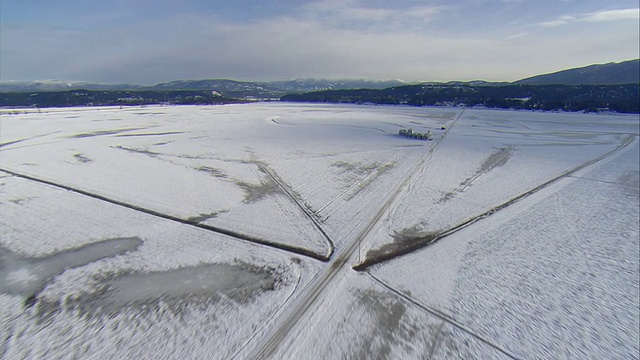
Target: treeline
x=99, y=98
x=588, y=98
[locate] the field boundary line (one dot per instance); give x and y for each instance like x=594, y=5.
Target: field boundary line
x=282, y=185
x=230, y=233
x=442, y=316
x=424, y=242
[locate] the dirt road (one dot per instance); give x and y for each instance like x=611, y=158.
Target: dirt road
x=311, y=294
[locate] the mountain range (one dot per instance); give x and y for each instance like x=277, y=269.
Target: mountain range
x=625, y=72
x=229, y=88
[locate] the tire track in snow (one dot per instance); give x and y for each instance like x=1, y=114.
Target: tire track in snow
x=312, y=292
x=431, y=151
x=308, y=213
x=442, y=316
x=421, y=243
x=375, y=173
x=9, y=143
x=231, y=233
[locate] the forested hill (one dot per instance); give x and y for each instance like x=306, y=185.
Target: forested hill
x=626, y=72
x=589, y=98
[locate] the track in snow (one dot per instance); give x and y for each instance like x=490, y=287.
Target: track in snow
x=442, y=316
x=308, y=213
x=312, y=292
x=231, y=233
x=418, y=244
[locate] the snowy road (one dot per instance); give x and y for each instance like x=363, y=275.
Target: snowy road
x=339, y=263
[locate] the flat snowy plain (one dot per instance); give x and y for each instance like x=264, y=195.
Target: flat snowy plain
x=231, y=231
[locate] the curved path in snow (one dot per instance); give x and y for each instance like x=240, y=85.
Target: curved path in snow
x=308, y=213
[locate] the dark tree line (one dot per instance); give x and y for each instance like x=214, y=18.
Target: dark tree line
x=589, y=98
x=98, y=98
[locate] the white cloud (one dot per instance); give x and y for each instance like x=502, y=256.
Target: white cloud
x=613, y=15
x=515, y=36
x=563, y=20
x=319, y=40
x=598, y=16
x=346, y=13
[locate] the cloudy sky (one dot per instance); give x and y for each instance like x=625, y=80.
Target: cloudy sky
x=152, y=41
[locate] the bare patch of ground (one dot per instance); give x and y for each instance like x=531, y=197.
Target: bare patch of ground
x=152, y=134
x=138, y=151
x=406, y=239
x=81, y=158
x=204, y=217
x=369, y=179
x=21, y=200
x=253, y=192
x=266, y=187
x=11, y=142
x=390, y=326
x=30, y=138
x=213, y=171
x=357, y=169
x=630, y=181
x=257, y=192
x=408, y=234
x=102, y=133
x=404, y=242
x=447, y=196
x=495, y=160
x=357, y=177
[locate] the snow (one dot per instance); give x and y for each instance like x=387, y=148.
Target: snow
x=54, y=222
x=365, y=321
x=474, y=171
x=573, y=283
x=108, y=246
x=556, y=276
x=189, y=161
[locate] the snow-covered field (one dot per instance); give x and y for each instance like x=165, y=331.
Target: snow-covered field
x=223, y=231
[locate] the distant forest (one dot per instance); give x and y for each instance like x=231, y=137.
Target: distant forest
x=44, y=99
x=588, y=98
